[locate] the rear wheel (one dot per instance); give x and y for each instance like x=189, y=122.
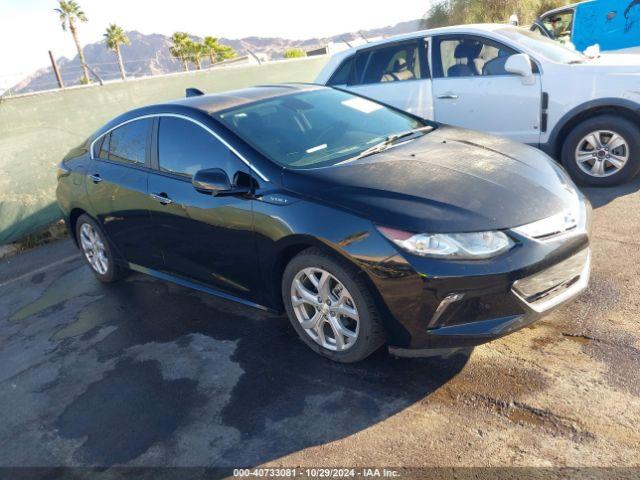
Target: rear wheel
x=331, y=307
x=96, y=250
x=603, y=151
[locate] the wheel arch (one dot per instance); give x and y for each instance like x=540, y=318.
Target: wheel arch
x=606, y=106
x=73, y=220
x=287, y=249
x=292, y=246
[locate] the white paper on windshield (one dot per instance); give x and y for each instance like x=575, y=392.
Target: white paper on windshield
x=361, y=104
x=317, y=149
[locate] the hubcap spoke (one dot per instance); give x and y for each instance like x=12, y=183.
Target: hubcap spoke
x=615, y=141
x=583, y=156
x=593, y=139
x=305, y=295
x=313, y=322
x=597, y=168
x=616, y=161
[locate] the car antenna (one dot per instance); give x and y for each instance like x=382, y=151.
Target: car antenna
x=193, y=92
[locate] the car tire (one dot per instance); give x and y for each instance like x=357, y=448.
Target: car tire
x=577, y=146
x=344, y=287
x=97, y=251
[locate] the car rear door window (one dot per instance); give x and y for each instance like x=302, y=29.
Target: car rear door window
x=395, y=63
x=128, y=143
x=185, y=147
x=467, y=56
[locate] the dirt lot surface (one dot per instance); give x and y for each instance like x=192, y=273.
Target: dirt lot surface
x=149, y=373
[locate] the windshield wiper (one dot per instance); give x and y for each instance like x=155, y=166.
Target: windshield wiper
x=390, y=140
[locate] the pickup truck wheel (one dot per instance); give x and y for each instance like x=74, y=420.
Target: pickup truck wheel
x=602, y=151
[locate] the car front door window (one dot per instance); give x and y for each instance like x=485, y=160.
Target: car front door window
x=466, y=56
x=202, y=237
x=473, y=89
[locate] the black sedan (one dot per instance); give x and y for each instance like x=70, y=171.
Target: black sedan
x=367, y=225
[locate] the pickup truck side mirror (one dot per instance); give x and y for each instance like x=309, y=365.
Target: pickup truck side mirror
x=520, y=64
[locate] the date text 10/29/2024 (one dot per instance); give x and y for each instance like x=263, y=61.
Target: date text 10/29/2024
x=316, y=473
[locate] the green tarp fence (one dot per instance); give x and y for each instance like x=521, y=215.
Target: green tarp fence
x=36, y=131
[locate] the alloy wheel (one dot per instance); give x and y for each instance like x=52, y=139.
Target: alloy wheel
x=94, y=249
x=325, y=309
x=602, y=153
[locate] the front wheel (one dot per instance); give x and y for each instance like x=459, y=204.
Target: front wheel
x=331, y=307
x=602, y=151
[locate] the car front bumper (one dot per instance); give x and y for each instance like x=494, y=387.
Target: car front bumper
x=462, y=319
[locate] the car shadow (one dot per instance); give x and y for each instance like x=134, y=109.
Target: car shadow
x=602, y=196
x=184, y=379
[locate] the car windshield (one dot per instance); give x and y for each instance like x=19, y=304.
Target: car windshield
x=317, y=128
x=549, y=49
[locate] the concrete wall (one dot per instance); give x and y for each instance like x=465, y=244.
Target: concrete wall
x=37, y=130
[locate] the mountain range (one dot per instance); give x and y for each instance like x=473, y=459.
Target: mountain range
x=149, y=55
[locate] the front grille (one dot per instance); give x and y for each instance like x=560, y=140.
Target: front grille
x=556, y=284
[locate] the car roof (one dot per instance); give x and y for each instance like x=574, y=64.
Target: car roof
x=217, y=102
x=471, y=28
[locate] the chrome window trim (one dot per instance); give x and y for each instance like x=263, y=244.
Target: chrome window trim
x=184, y=117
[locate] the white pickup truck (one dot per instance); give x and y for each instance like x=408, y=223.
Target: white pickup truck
x=511, y=82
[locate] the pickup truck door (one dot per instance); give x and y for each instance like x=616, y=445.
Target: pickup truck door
x=472, y=89
x=396, y=74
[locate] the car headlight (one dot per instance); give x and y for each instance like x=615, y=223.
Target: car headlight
x=458, y=246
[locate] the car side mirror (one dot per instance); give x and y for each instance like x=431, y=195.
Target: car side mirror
x=520, y=64
x=215, y=181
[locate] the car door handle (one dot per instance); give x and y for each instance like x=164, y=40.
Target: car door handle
x=161, y=197
x=95, y=178
x=448, y=96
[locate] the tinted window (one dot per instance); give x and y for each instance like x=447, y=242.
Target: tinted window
x=342, y=74
x=395, y=63
x=184, y=148
x=315, y=128
x=466, y=56
x=103, y=147
x=128, y=143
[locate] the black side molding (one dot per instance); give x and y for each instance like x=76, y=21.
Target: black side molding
x=193, y=92
x=544, y=117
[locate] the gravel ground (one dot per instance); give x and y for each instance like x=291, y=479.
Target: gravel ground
x=146, y=373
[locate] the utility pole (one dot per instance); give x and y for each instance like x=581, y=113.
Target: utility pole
x=55, y=69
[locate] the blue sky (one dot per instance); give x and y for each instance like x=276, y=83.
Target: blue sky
x=28, y=28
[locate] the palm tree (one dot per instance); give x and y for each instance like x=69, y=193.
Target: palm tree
x=225, y=52
x=114, y=36
x=195, y=52
x=217, y=51
x=180, y=48
x=211, y=46
x=70, y=12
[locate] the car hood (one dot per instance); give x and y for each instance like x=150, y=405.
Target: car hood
x=617, y=59
x=450, y=180
x=613, y=62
